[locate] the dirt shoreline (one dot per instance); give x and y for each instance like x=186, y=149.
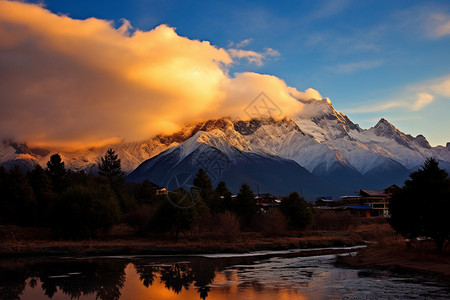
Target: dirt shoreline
x=386, y=250
x=399, y=259
x=164, y=246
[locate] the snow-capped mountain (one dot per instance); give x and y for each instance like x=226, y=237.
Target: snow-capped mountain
x=319, y=140
x=227, y=160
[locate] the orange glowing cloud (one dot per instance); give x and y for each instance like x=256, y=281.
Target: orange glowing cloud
x=83, y=83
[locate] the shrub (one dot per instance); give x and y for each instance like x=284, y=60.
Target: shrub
x=227, y=226
x=329, y=220
x=272, y=223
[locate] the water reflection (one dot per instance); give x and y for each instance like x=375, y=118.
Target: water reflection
x=258, y=277
x=102, y=278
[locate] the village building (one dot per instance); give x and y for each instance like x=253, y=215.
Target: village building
x=367, y=203
x=265, y=201
x=371, y=203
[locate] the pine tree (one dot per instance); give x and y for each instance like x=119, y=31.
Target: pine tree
x=421, y=207
x=57, y=172
x=109, y=166
x=223, y=200
x=204, y=183
x=246, y=206
x=296, y=210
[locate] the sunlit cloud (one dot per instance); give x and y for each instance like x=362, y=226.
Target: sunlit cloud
x=438, y=25
x=309, y=94
x=243, y=43
x=356, y=66
x=430, y=21
x=83, y=83
x=415, y=97
x=421, y=100
x=439, y=86
x=253, y=56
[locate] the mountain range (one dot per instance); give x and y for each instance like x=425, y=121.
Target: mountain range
x=317, y=152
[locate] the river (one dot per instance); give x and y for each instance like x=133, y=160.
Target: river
x=257, y=275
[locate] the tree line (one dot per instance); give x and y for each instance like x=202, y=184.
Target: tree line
x=421, y=208
x=75, y=204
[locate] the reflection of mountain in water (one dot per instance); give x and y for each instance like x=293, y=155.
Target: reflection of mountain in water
x=268, y=275
x=104, y=278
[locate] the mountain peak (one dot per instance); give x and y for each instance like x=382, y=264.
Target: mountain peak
x=387, y=130
x=383, y=127
x=422, y=141
x=383, y=122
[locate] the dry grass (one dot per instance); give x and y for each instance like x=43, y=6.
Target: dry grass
x=388, y=250
x=272, y=223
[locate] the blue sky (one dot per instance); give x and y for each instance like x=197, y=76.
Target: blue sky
x=373, y=59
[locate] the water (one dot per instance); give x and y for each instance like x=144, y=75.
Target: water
x=259, y=275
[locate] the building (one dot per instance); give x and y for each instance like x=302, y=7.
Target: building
x=266, y=201
x=371, y=202
x=158, y=191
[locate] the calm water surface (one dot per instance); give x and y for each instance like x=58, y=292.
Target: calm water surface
x=258, y=275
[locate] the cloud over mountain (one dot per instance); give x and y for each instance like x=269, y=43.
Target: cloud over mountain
x=78, y=83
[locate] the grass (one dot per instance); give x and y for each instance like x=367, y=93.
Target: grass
x=388, y=250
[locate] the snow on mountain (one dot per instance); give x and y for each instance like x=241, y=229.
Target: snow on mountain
x=12, y=154
x=226, y=161
x=319, y=139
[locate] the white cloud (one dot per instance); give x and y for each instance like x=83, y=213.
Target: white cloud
x=309, y=94
x=421, y=101
x=243, y=43
x=253, y=56
x=438, y=25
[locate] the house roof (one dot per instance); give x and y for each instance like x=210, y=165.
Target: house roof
x=327, y=200
x=360, y=207
x=372, y=193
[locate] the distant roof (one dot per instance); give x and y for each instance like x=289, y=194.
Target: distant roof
x=372, y=193
x=327, y=200
x=351, y=196
x=360, y=207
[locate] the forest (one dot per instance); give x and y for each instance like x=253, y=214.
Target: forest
x=77, y=205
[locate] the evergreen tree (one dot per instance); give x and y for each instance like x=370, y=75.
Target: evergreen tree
x=421, y=207
x=246, y=206
x=110, y=169
x=171, y=218
x=109, y=166
x=223, y=199
x=296, y=210
x=57, y=172
x=204, y=183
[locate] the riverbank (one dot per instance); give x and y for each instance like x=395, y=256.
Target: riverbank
x=386, y=250
x=123, y=240
x=398, y=256
x=246, y=242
